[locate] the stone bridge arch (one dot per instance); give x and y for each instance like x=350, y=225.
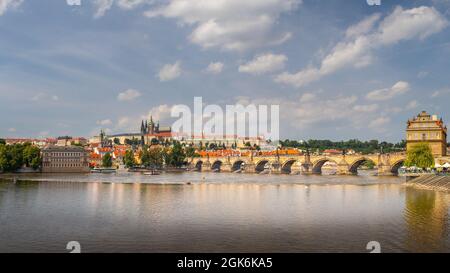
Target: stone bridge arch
x=216, y=166
x=286, y=166
x=237, y=165
x=353, y=166
x=396, y=166
x=260, y=165
x=198, y=165
x=318, y=164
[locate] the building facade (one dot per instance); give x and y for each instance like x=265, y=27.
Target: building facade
x=428, y=129
x=65, y=159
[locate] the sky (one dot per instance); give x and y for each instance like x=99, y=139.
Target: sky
x=339, y=69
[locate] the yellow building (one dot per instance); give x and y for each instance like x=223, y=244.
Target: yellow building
x=429, y=129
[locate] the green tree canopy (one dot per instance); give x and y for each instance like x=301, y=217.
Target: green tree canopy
x=176, y=156
x=107, y=160
x=153, y=157
x=420, y=155
x=32, y=156
x=13, y=157
x=129, y=160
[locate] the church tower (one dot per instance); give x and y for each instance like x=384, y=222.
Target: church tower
x=429, y=129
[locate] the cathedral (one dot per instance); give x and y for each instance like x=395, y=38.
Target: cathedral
x=149, y=128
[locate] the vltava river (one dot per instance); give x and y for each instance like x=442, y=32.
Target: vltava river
x=199, y=212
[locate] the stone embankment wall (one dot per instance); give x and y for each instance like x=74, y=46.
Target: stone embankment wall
x=431, y=182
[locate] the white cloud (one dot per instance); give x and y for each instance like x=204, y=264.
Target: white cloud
x=130, y=4
x=379, y=124
x=366, y=108
x=441, y=92
x=412, y=105
x=160, y=113
x=127, y=124
x=102, y=6
x=403, y=24
x=12, y=130
x=5, y=5
x=388, y=93
x=363, y=27
x=422, y=74
x=263, y=64
x=105, y=122
x=170, y=72
x=215, y=68
x=363, y=38
x=129, y=95
x=307, y=97
x=229, y=24
x=41, y=96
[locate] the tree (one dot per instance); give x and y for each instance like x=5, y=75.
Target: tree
x=176, y=156
x=116, y=141
x=190, y=152
x=107, y=160
x=153, y=157
x=156, y=157
x=12, y=157
x=154, y=141
x=2, y=141
x=129, y=160
x=32, y=156
x=420, y=155
x=145, y=157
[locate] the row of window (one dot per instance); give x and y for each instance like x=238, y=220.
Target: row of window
x=424, y=125
x=65, y=159
x=67, y=165
x=424, y=136
x=64, y=154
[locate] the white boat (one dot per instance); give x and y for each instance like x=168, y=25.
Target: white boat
x=152, y=172
x=103, y=170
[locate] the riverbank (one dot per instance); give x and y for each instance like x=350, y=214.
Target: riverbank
x=431, y=182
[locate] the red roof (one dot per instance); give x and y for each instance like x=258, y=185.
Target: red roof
x=164, y=134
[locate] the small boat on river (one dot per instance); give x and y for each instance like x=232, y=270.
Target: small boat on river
x=152, y=172
x=103, y=170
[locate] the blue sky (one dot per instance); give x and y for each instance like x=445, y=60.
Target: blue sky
x=339, y=69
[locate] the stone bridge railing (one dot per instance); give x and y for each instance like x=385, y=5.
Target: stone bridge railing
x=387, y=164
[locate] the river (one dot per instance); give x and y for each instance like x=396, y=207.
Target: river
x=219, y=212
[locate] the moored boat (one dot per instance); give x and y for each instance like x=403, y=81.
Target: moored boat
x=103, y=170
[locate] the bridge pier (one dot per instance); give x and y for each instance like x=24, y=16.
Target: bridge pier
x=343, y=169
x=306, y=168
x=249, y=168
x=226, y=167
x=384, y=170
x=206, y=166
x=296, y=168
x=275, y=168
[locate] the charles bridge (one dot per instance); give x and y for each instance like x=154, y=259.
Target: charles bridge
x=387, y=164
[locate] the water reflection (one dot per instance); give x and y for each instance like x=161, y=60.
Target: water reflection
x=218, y=214
x=426, y=215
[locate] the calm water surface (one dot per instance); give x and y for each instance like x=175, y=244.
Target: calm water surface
x=220, y=213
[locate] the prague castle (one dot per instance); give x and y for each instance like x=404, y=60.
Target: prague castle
x=430, y=129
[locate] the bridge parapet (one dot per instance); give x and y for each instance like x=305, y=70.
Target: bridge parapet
x=387, y=164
